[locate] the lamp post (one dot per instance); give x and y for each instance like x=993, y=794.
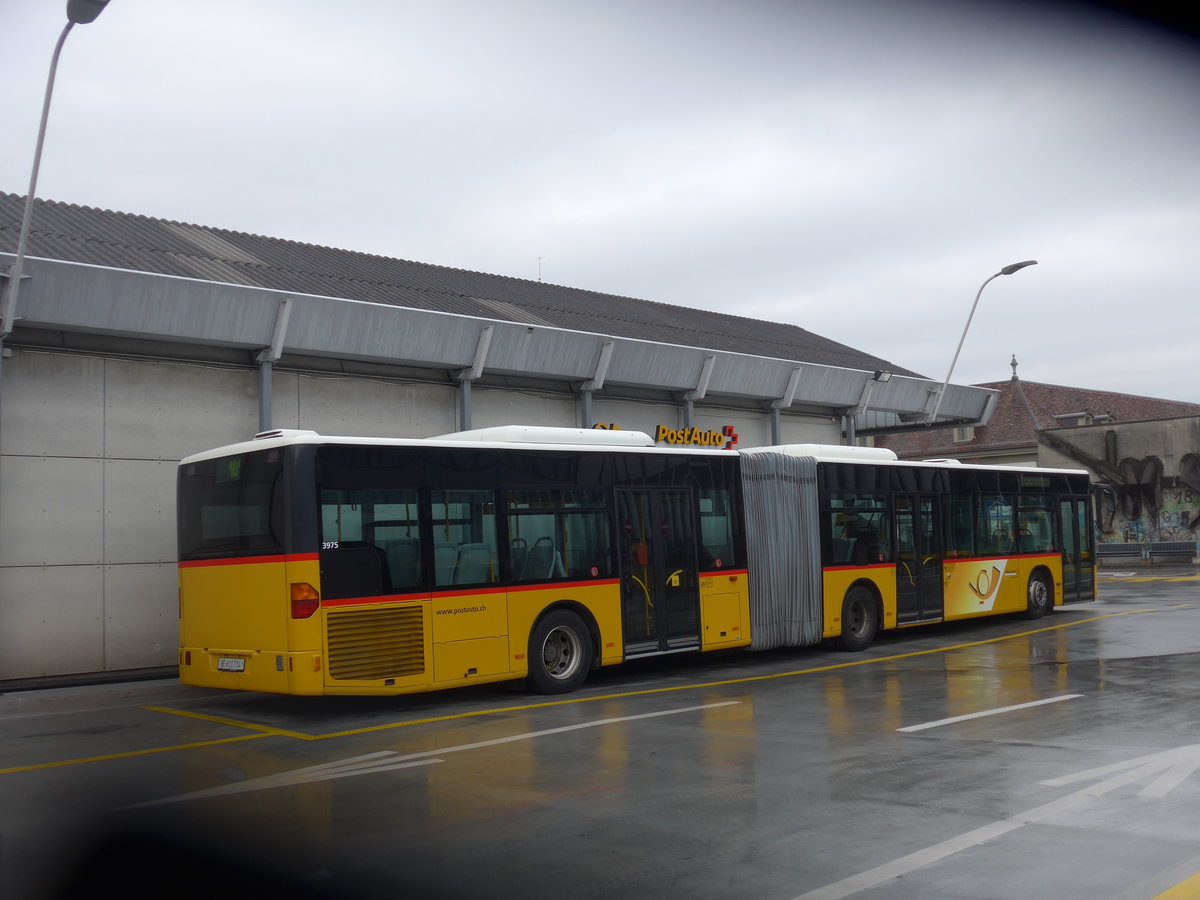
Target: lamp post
x=79, y=12
x=1007, y=270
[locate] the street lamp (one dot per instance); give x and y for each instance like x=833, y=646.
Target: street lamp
x=79, y=12
x=1007, y=270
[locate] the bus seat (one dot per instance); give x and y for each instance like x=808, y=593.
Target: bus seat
x=518, y=553
x=445, y=555
x=1002, y=543
x=474, y=564
x=404, y=562
x=543, y=561
x=842, y=548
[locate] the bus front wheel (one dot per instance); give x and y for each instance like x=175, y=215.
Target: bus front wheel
x=860, y=619
x=1039, y=596
x=560, y=653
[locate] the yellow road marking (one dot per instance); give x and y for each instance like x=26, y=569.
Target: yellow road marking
x=1188, y=889
x=236, y=723
x=126, y=754
x=268, y=731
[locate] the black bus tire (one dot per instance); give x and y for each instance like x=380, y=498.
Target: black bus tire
x=1039, y=596
x=860, y=619
x=560, y=653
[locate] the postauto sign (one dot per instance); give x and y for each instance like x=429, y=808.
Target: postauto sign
x=725, y=439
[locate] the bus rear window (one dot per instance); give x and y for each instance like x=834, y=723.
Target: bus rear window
x=232, y=506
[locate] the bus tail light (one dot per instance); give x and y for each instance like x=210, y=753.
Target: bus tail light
x=305, y=600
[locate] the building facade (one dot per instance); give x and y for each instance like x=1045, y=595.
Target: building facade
x=1152, y=468
x=139, y=341
x=1145, y=449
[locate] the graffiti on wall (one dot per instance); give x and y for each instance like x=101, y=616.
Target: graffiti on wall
x=1146, y=510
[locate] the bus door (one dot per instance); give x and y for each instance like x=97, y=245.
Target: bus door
x=660, y=599
x=1079, y=574
x=919, y=583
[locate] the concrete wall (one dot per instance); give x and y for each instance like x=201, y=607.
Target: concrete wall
x=87, y=522
x=88, y=452
x=633, y=415
x=360, y=406
x=88, y=448
x=1153, y=468
x=490, y=406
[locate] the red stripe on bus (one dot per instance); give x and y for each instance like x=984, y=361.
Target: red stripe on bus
x=558, y=585
x=975, y=559
x=713, y=573
x=249, y=560
x=956, y=561
x=885, y=565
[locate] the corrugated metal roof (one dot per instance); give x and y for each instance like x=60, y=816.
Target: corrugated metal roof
x=124, y=241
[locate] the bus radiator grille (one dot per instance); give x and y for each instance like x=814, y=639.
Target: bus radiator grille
x=377, y=643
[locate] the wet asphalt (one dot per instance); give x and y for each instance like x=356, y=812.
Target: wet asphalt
x=996, y=759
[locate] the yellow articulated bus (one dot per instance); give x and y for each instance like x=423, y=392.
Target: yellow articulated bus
x=337, y=565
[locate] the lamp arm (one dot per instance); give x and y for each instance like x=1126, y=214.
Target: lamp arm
x=942, y=392
x=9, y=309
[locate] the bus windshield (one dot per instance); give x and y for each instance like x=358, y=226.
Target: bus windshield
x=232, y=506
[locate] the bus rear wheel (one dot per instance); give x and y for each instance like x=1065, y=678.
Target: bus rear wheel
x=860, y=619
x=1039, y=596
x=560, y=653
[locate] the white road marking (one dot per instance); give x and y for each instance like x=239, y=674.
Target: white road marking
x=1167, y=764
x=987, y=712
x=388, y=760
x=1177, y=764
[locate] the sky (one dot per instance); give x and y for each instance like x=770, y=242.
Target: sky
x=858, y=168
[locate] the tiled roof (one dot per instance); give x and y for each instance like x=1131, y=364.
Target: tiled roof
x=1026, y=407
x=120, y=240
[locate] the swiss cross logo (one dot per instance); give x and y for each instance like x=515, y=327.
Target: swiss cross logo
x=731, y=437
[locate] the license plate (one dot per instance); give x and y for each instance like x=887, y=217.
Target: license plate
x=231, y=664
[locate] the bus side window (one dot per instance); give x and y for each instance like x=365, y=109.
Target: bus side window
x=556, y=534
x=961, y=542
x=1037, y=529
x=859, y=529
x=995, y=525
x=464, y=529
x=544, y=561
x=383, y=522
x=404, y=562
x=518, y=553
x=474, y=564
x=717, y=529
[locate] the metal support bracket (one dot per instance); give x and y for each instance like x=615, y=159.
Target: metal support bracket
x=272, y=353
x=267, y=358
x=481, y=352
x=597, y=381
x=702, y=384
x=467, y=376
x=789, y=393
